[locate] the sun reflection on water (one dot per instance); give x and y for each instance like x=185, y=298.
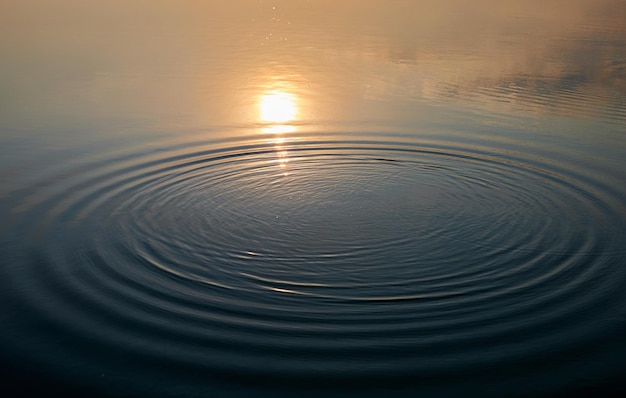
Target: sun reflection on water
x=277, y=111
x=277, y=107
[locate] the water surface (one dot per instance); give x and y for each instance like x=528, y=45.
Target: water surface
x=385, y=198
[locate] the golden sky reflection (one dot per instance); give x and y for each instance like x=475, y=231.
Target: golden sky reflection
x=195, y=64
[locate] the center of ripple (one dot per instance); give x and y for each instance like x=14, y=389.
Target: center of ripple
x=369, y=223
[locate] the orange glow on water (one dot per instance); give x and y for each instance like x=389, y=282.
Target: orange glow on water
x=277, y=107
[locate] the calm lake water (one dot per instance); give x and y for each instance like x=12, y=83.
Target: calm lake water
x=296, y=198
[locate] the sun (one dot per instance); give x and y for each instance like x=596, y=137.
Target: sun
x=277, y=107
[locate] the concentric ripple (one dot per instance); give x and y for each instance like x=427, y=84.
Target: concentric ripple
x=341, y=258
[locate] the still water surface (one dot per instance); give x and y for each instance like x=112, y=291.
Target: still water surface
x=209, y=198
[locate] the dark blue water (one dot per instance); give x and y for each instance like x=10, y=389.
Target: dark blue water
x=294, y=199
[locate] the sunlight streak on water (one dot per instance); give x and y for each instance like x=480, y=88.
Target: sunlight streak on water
x=278, y=111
